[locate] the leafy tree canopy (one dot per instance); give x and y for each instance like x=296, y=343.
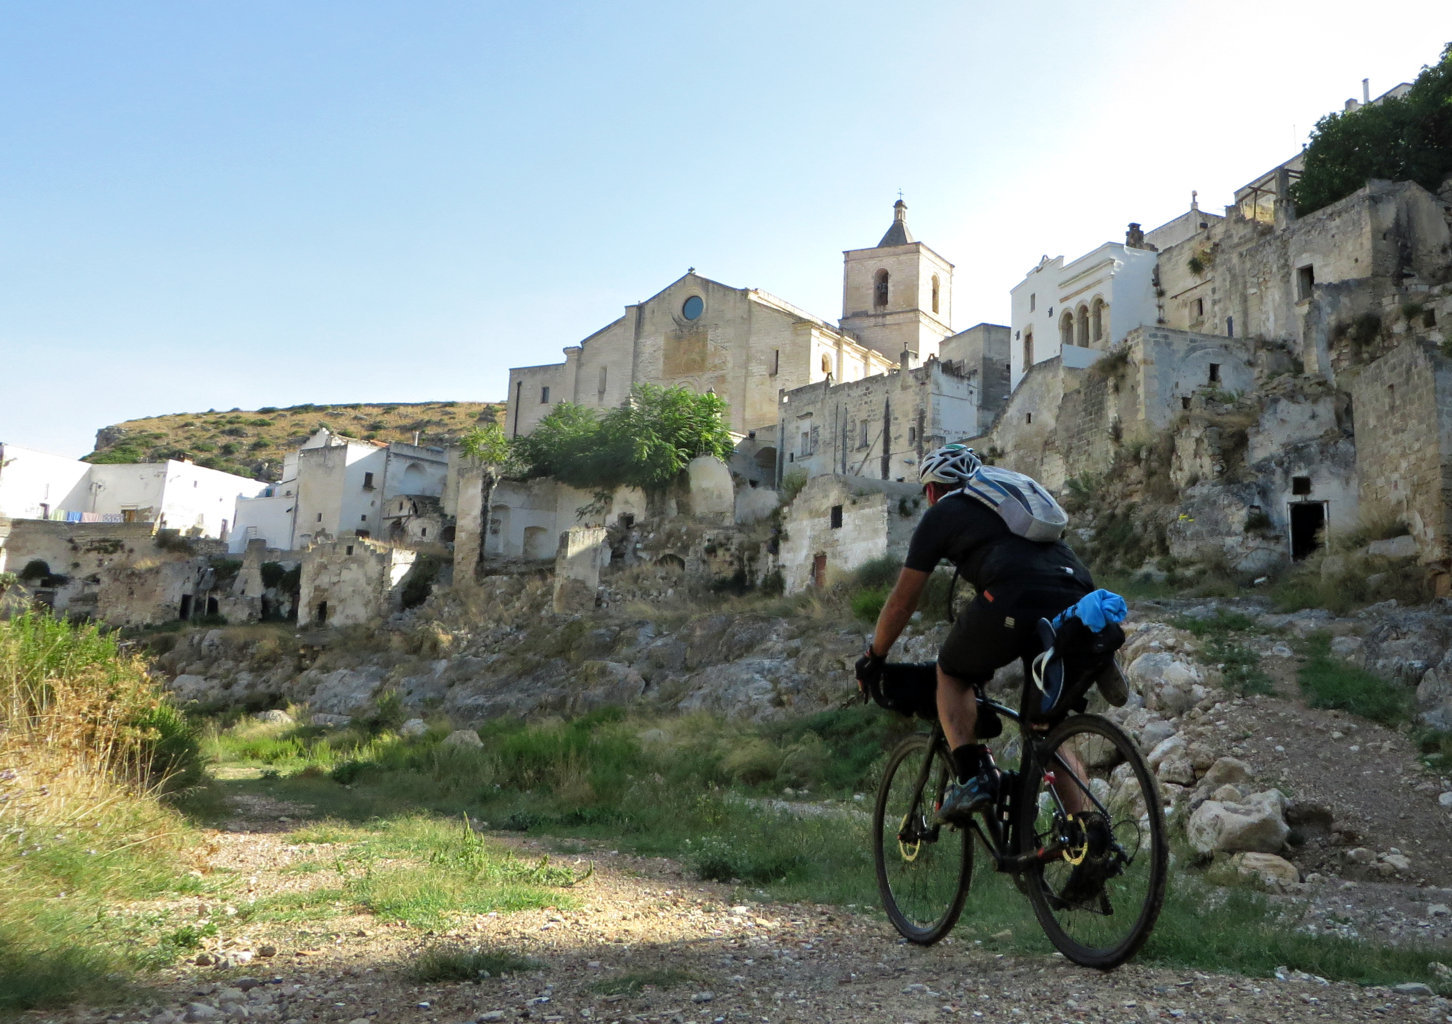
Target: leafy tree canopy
x=488, y=444
x=1404, y=139
x=645, y=443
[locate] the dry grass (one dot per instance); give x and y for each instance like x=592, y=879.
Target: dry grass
x=86, y=742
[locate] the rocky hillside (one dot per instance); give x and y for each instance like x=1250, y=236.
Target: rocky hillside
x=1264, y=776
x=253, y=443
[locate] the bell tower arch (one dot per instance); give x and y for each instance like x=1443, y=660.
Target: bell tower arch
x=897, y=295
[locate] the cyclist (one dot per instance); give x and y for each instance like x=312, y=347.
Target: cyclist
x=1018, y=581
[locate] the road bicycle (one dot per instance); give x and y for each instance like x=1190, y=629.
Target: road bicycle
x=1078, y=823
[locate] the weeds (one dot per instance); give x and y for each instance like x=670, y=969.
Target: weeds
x=1329, y=682
x=454, y=962
x=1239, y=664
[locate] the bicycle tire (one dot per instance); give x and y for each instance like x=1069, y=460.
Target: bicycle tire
x=1103, y=915
x=923, y=869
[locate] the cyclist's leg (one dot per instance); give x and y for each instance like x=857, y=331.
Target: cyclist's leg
x=957, y=709
x=977, y=646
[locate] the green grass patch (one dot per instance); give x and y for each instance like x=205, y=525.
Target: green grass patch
x=455, y=962
x=1239, y=667
x=1221, y=623
x=1329, y=682
x=1436, y=749
x=1239, y=664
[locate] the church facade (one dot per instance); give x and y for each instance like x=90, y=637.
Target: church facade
x=749, y=347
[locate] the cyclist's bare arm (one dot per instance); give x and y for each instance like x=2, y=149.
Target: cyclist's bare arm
x=899, y=607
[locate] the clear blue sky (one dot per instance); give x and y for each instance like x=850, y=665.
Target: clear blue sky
x=240, y=204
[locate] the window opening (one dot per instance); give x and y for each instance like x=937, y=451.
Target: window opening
x=935, y=293
x=348, y=550
x=1300, y=485
x=322, y=615
x=879, y=291
x=1028, y=351
x=368, y=481
x=836, y=517
x=1214, y=373
x=544, y=395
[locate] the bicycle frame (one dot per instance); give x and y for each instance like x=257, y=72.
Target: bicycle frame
x=996, y=829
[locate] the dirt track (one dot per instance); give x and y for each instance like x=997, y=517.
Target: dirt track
x=713, y=961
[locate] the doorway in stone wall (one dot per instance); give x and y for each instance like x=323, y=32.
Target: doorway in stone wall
x=1308, y=528
x=819, y=570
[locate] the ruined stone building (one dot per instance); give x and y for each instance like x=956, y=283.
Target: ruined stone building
x=1296, y=368
x=881, y=426
x=748, y=347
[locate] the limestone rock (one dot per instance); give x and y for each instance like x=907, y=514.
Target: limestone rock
x=413, y=728
x=274, y=716
x=188, y=687
x=464, y=738
x=1266, y=868
x=1228, y=771
x=1256, y=824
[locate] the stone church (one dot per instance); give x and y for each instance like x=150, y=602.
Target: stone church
x=750, y=347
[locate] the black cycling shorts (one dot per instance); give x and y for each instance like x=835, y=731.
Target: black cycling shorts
x=991, y=632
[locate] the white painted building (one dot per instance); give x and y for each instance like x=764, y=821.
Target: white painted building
x=334, y=486
x=1076, y=311
x=172, y=495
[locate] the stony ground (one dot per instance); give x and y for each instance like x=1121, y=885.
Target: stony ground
x=645, y=943
x=693, y=953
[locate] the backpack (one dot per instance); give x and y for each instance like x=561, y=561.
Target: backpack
x=1029, y=510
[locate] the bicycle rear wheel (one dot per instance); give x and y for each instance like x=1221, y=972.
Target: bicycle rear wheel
x=922, y=868
x=1100, y=830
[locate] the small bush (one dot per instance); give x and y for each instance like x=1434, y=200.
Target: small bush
x=792, y=484
x=867, y=604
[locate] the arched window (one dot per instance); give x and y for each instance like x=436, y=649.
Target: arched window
x=1066, y=329
x=826, y=363
x=1096, y=320
x=935, y=293
x=1084, y=326
x=879, y=292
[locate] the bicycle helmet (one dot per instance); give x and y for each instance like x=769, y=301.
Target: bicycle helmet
x=951, y=464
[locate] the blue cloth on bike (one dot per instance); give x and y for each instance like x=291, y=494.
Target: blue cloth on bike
x=1095, y=610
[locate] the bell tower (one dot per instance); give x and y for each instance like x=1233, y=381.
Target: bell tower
x=897, y=296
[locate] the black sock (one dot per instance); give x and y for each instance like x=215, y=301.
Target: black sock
x=969, y=760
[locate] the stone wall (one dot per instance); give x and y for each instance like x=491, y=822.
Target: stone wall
x=836, y=524
x=120, y=572
x=351, y=582
x=1403, y=461
x=878, y=427
x=1306, y=280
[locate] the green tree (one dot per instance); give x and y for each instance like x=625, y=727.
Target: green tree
x=645, y=443
x=1403, y=139
x=495, y=452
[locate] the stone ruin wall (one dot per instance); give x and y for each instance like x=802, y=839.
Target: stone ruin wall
x=1405, y=472
x=360, y=581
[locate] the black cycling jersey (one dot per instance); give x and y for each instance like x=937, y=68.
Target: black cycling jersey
x=966, y=532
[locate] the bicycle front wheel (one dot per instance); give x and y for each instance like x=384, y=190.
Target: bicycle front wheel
x=922, y=867
x=1095, y=820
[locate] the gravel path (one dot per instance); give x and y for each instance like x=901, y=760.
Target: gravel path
x=712, y=961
